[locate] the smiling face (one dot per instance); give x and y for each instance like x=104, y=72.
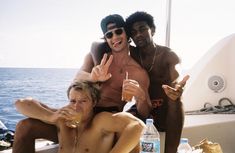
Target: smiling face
x=116, y=37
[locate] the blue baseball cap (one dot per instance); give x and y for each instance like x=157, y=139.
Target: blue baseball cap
x=114, y=18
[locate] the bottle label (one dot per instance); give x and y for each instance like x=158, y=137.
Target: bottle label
x=150, y=147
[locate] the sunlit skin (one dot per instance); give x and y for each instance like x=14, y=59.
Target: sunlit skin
x=108, y=72
x=95, y=133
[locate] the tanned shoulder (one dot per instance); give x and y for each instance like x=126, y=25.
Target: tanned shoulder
x=170, y=56
x=98, y=49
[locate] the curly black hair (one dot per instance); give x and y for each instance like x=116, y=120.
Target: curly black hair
x=139, y=16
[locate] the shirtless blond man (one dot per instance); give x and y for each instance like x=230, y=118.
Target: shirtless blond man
x=95, y=133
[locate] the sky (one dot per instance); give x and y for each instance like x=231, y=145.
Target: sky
x=59, y=33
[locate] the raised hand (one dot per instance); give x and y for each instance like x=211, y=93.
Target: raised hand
x=132, y=87
x=61, y=114
x=64, y=113
x=176, y=92
x=100, y=72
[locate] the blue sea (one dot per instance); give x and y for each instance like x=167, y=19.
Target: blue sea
x=47, y=85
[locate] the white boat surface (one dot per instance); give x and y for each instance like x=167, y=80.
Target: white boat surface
x=211, y=79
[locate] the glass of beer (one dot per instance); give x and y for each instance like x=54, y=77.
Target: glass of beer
x=75, y=120
x=127, y=96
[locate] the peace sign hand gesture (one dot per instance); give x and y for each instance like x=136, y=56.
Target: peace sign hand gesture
x=100, y=72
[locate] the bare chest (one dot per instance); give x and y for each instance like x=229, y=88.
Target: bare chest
x=89, y=141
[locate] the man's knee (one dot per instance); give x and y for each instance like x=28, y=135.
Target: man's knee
x=32, y=129
x=23, y=139
x=24, y=128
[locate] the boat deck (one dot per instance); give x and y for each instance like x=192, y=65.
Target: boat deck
x=215, y=127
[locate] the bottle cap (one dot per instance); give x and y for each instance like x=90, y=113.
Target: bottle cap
x=149, y=121
x=184, y=140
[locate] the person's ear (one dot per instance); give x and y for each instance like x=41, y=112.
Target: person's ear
x=94, y=104
x=152, y=31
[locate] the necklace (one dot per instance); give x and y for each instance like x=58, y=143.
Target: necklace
x=153, y=61
x=76, y=139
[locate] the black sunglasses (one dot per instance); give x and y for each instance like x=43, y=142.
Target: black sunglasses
x=117, y=31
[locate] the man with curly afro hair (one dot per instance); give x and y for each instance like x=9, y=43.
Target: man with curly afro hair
x=159, y=62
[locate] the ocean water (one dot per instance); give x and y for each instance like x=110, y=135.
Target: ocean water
x=47, y=85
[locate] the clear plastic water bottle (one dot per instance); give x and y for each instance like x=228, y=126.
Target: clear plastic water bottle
x=150, y=139
x=184, y=146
